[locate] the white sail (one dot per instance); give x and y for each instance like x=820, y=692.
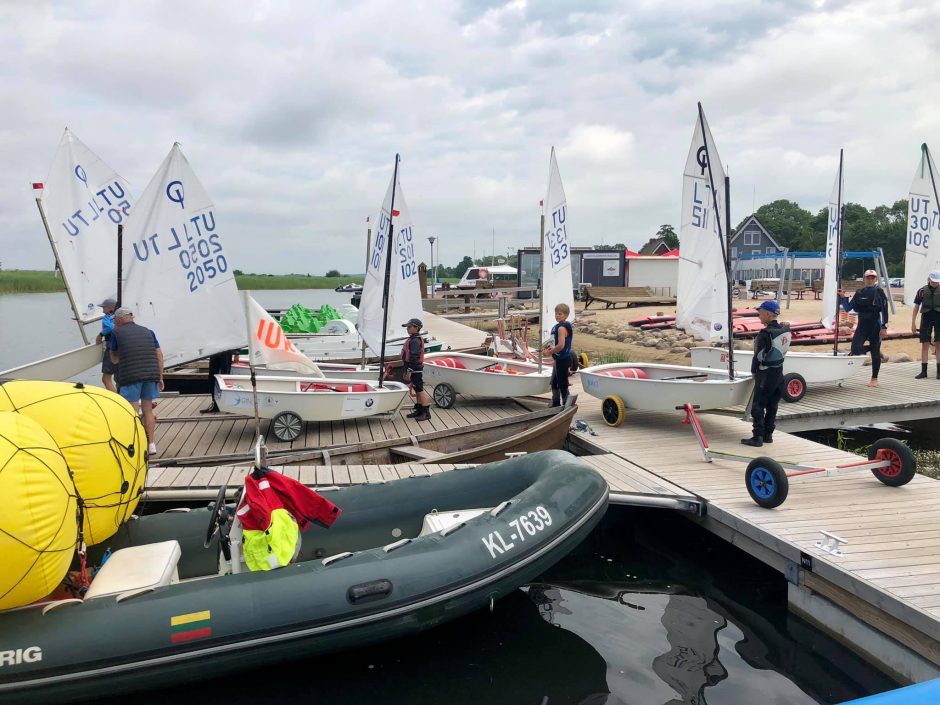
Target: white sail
x=84, y=201
x=833, y=247
x=702, y=292
x=178, y=279
x=557, y=284
x=404, y=294
x=268, y=345
x=922, y=253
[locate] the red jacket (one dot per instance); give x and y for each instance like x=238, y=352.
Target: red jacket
x=275, y=491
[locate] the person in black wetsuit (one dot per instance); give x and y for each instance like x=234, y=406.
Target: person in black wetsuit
x=871, y=304
x=770, y=349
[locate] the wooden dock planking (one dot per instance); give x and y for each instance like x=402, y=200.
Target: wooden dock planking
x=891, y=530
x=899, y=397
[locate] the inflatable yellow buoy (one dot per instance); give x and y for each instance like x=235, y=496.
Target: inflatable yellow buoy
x=38, y=524
x=101, y=438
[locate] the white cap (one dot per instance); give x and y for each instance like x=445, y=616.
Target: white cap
x=871, y=273
x=934, y=276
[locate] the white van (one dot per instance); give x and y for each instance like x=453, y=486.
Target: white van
x=500, y=275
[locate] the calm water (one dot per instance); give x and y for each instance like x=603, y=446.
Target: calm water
x=649, y=610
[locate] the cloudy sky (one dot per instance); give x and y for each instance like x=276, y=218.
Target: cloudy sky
x=291, y=112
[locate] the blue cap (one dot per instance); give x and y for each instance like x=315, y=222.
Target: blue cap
x=771, y=306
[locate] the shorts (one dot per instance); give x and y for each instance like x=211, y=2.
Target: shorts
x=417, y=381
x=107, y=367
x=930, y=323
x=139, y=391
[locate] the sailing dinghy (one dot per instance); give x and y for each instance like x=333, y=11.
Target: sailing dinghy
x=801, y=369
x=922, y=254
x=703, y=304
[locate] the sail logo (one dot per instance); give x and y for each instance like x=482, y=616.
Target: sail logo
x=701, y=158
x=81, y=175
x=15, y=657
x=174, y=192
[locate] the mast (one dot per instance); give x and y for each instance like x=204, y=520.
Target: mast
x=254, y=382
x=388, y=274
x=835, y=341
x=120, y=261
x=727, y=259
x=368, y=251
x=58, y=263
x=541, y=284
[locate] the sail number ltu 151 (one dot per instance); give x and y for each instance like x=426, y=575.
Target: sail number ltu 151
x=519, y=529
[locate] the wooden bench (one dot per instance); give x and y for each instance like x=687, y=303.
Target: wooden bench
x=610, y=296
x=849, y=287
x=764, y=285
x=797, y=287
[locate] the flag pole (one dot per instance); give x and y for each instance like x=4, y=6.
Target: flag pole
x=388, y=274
x=58, y=263
x=835, y=337
x=254, y=382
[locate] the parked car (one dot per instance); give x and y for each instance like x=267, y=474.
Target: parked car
x=896, y=283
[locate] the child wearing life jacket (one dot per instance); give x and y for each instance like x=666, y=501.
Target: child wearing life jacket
x=560, y=350
x=412, y=354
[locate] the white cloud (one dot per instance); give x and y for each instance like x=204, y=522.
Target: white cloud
x=291, y=112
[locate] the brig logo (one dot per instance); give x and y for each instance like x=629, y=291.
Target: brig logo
x=15, y=657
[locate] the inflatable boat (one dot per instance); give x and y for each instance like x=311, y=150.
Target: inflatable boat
x=404, y=556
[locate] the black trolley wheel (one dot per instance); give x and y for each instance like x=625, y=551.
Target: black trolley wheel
x=287, y=426
x=903, y=463
x=444, y=395
x=613, y=410
x=766, y=482
x=794, y=387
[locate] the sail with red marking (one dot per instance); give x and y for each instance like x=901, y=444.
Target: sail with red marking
x=268, y=345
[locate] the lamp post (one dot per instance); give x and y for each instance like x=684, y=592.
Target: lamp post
x=431, y=239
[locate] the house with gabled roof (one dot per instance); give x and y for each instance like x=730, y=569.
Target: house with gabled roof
x=655, y=247
x=753, y=239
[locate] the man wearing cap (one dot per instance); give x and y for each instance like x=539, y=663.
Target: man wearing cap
x=871, y=304
x=412, y=353
x=108, y=368
x=770, y=348
x=140, y=375
x=927, y=301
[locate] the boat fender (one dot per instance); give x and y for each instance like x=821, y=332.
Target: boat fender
x=369, y=592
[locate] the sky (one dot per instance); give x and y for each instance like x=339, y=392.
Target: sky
x=291, y=113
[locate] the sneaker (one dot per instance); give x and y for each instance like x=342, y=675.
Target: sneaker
x=152, y=449
x=755, y=442
x=923, y=375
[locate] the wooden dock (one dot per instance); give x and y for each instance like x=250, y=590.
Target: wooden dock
x=899, y=397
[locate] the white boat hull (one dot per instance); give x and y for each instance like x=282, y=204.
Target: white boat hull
x=369, y=373
x=487, y=376
x=310, y=398
x=667, y=386
x=815, y=368
x=58, y=367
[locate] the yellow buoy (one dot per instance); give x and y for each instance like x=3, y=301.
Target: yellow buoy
x=38, y=524
x=103, y=442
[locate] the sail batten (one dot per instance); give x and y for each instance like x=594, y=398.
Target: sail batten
x=84, y=200
x=178, y=278
x=702, y=291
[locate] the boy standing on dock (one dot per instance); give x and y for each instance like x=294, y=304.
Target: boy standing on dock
x=770, y=349
x=560, y=349
x=412, y=353
x=927, y=301
x=871, y=304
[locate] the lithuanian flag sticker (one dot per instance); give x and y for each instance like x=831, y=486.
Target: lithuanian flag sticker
x=187, y=627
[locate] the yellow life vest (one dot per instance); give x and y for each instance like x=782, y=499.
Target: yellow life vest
x=274, y=547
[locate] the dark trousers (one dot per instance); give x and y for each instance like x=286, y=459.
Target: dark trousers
x=868, y=331
x=767, y=390
x=560, y=380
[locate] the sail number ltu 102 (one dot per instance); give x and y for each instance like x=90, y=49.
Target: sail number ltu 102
x=520, y=528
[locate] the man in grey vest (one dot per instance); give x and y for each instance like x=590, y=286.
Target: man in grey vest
x=927, y=301
x=140, y=374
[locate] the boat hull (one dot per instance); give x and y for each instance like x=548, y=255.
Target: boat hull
x=815, y=368
x=311, y=398
x=476, y=377
x=310, y=608
x=661, y=391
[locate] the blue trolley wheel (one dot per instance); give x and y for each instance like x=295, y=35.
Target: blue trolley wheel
x=766, y=482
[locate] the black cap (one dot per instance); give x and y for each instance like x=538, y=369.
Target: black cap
x=413, y=322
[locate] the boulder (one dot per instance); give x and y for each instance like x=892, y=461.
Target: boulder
x=899, y=357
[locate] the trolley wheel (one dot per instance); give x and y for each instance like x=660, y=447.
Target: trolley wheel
x=903, y=464
x=444, y=395
x=766, y=482
x=583, y=360
x=287, y=426
x=613, y=410
x=794, y=387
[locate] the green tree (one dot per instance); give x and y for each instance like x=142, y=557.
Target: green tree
x=790, y=225
x=668, y=234
x=463, y=266
x=333, y=273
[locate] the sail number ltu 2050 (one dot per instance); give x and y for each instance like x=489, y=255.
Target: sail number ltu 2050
x=519, y=529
